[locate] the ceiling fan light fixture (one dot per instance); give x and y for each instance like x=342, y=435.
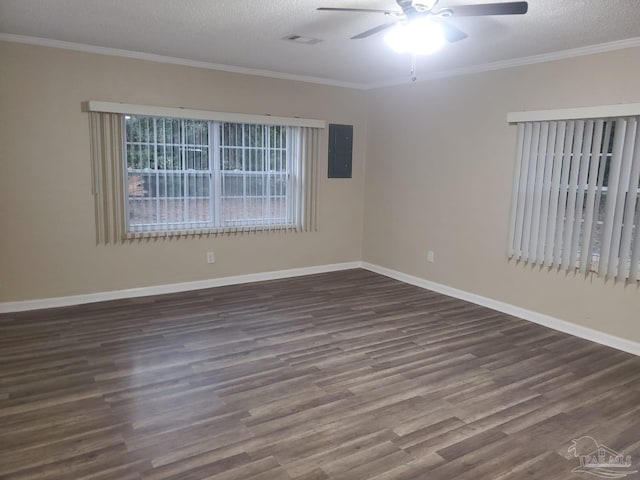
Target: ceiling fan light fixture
x=420, y=36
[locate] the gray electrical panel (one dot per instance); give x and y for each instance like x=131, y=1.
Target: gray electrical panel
x=340, y=150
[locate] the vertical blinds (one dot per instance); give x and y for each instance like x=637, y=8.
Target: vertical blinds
x=304, y=143
x=107, y=170
x=575, y=196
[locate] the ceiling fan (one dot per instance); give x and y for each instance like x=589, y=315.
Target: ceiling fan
x=421, y=28
x=412, y=9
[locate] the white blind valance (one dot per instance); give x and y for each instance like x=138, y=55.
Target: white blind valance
x=576, y=113
x=196, y=114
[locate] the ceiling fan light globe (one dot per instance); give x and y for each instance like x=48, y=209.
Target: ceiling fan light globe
x=420, y=36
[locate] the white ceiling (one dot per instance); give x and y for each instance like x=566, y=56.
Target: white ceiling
x=248, y=33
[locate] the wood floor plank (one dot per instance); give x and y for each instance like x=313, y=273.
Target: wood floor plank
x=338, y=376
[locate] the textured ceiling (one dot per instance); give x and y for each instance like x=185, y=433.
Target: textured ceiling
x=247, y=33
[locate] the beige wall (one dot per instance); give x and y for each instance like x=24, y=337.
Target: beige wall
x=439, y=174
x=47, y=236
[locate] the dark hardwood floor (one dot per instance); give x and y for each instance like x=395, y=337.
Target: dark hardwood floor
x=346, y=375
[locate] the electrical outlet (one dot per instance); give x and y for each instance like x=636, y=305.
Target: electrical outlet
x=430, y=256
x=211, y=258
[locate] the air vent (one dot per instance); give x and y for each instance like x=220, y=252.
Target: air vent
x=301, y=39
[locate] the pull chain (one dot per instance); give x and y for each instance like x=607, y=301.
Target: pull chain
x=414, y=75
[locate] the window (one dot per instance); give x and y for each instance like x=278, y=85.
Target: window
x=199, y=174
x=576, y=196
x=164, y=175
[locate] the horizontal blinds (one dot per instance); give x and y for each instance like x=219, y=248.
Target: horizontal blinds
x=196, y=114
x=575, y=195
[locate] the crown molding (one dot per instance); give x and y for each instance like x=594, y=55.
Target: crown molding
x=151, y=57
x=455, y=72
x=514, y=62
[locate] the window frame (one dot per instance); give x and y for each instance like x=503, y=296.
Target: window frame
x=215, y=174
x=106, y=141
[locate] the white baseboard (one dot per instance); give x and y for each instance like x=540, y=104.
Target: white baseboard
x=8, y=307
x=535, y=317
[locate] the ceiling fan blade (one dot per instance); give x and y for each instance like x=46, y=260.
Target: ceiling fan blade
x=368, y=10
x=451, y=33
x=373, y=31
x=509, y=8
